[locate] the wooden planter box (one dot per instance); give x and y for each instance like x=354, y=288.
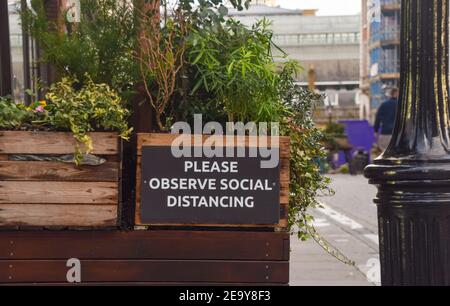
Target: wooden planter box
x=47, y=194
x=57, y=194
x=165, y=140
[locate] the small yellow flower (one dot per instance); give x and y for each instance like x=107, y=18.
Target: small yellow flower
x=43, y=103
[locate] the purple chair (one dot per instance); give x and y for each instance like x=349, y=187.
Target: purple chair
x=360, y=134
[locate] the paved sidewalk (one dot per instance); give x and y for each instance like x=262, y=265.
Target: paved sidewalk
x=312, y=266
x=348, y=223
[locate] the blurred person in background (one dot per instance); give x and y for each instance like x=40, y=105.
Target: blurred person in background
x=385, y=119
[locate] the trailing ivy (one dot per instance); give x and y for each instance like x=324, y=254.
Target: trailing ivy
x=307, y=183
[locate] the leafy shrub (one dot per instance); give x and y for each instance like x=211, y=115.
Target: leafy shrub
x=101, y=45
x=93, y=107
x=12, y=115
x=235, y=65
x=306, y=181
x=233, y=75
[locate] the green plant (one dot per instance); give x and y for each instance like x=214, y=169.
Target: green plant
x=93, y=107
x=163, y=67
x=235, y=65
x=207, y=13
x=306, y=181
x=233, y=70
x=100, y=46
x=12, y=115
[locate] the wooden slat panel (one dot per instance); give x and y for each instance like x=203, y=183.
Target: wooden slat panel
x=147, y=271
x=57, y=171
x=25, y=142
x=181, y=245
x=58, y=192
x=145, y=139
x=57, y=215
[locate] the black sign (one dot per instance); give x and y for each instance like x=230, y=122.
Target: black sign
x=228, y=190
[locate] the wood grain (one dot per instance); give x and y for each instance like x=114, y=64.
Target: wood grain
x=170, y=245
x=146, y=257
x=49, y=271
x=57, y=194
x=57, y=171
x=30, y=192
x=152, y=139
x=27, y=142
x=57, y=215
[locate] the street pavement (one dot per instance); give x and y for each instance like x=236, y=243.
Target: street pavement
x=348, y=222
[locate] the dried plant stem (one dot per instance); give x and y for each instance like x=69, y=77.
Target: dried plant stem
x=161, y=57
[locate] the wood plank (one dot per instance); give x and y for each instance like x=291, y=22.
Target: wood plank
x=28, y=142
x=57, y=215
x=181, y=245
x=58, y=192
x=36, y=271
x=149, y=139
x=3, y=157
x=57, y=171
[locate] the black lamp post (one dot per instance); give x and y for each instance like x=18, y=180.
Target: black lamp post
x=413, y=175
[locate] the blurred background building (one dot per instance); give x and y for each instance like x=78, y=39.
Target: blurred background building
x=17, y=59
x=28, y=73
x=380, y=47
x=328, y=47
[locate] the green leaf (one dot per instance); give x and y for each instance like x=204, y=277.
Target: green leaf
x=223, y=10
